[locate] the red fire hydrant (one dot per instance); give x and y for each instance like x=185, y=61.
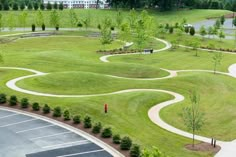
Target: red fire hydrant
x=105, y=108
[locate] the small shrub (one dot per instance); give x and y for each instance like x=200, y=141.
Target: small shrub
x=66, y=115
x=171, y=30
x=97, y=128
x=13, y=100
x=46, y=109
x=99, y=26
x=87, y=122
x=116, y=139
x=107, y=133
x=3, y=98
x=125, y=143
x=57, y=112
x=24, y=103
x=57, y=27
x=80, y=25
x=76, y=119
x=33, y=27
x=43, y=27
x=36, y=106
x=112, y=28
x=135, y=151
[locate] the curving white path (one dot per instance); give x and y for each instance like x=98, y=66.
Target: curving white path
x=168, y=46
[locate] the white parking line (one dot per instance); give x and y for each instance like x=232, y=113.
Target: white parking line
x=17, y=123
x=63, y=133
x=88, y=152
x=9, y=115
x=46, y=126
x=81, y=142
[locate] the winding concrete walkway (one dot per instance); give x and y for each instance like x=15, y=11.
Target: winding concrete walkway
x=154, y=113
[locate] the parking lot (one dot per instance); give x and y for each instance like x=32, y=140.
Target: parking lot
x=25, y=136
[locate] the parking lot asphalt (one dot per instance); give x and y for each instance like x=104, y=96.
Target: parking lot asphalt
x=25, y=136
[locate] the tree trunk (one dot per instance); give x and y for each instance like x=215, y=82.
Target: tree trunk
x=97, y=4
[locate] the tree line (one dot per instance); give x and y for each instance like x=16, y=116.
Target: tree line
x=30, y=5
x=165, y=5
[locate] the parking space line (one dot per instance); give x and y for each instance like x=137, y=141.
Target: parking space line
x=88, y=152
x=46, y=126
x=63, y=133
x=9, y=115
x=25, y=121
x=81, y=142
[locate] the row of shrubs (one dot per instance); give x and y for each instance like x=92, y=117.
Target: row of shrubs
x=220, y=49
x=118, y=51
x=125, y=142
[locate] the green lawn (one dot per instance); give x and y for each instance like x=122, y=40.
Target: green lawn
x=74, y=68
x=96, y=16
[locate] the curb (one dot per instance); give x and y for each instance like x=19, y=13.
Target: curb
x=98, y=142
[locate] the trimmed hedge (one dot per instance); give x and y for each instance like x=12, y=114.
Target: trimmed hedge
x=57, y=112
x=87, y=122
x=36, y=106
x=13, y=100
x=116, y=139
x=46, y=109
x=3, y=98
x=66, y=115
x=76, y=119
x=125, y=143
x=135, y=151
x=97, y=128
x=107, y=133
x=24, y=103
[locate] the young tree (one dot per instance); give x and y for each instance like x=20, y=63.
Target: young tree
x=23, y=18
x=61, y=6
x=55, y=5
x=124, y=32
x=49, y=6
x=217, y=58
x=234, y=22
x=217, y=24
x=22, y=6
x=15, y=6
x=106, y=36
x=203, y=31
x=119, y=19
x=141, y=35
x=30, y=6
x=1, y=22
x=195, y=46
x=210, y=31
x=54, y=18
x=221, y=34
x=192, y=116
x=39, y=18
x=11, y=21
x=87, y=20
x=73, y=18
x=132, y=18
x=42, y=7
x=214, y=31
x=222, y=20
x=36, y=6
x=6, y=6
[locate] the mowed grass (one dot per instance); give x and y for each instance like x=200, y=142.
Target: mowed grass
x=96, y=16
x=74, y=64
x=180, y=59
x=59, y=54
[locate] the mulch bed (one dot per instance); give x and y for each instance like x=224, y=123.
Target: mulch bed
x=70, y=122
x=230, y=15
x=203, y=147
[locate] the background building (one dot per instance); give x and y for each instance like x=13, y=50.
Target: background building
x=85, y=4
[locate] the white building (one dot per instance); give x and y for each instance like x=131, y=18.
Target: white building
x=85, y=4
